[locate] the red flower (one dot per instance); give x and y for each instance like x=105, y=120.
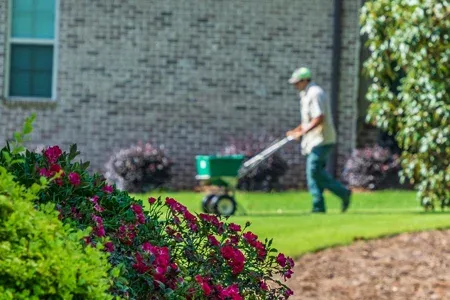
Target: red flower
x=137, y=209
x=88, y=240
x=213, y=241
x=74, y=179
x=281, y=260
x=98, y=208
x=52, y=154
x=109, y=247
x=227, y=252
x=261, y=250
x=231, y=292
x=59, y=181
x=98, y=220
x=288, y=293
x=147, y=247
x=263, y=285
x=234, y=239
x=44, y=172
x=55, y=168
x=290, y=262
x=94, y=199
x=234, y=257
x=108, y=189
x=250, y=237
x=100, y=231
x=175, y=206
x=287, y=274
x=140, y=218
x=204, y=284
x=234, y=227
x=189, y=217
x=140, y=266
x=151, y=200
x=127, y=233
x=52, y=171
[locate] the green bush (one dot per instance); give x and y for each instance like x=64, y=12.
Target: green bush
x=39, y=257
x=410, y=91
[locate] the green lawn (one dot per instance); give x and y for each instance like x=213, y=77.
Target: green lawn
x=285, y=217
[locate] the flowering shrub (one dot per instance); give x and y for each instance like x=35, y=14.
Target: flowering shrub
x=41, y=259
x=225, y=260
x=165, y=252
x=139, y=168
x=372, y=168
x=266, y=176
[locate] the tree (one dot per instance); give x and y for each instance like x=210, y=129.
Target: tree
x=409, y=96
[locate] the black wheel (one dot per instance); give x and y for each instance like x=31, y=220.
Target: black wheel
x=223, y=205
x=206, y=203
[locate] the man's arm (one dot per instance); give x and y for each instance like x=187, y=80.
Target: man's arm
x=300, y=130
x=313, y=124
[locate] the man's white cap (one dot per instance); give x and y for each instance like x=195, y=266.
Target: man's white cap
x=300, y=74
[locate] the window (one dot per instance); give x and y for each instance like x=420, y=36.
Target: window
x=32, y=49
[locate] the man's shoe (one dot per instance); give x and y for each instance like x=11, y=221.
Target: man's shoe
x=317, y=211
x=346, y=201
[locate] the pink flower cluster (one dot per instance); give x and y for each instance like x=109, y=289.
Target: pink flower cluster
x=158, y=264
x=52, y=154
x=284, y=261
x=252, y=239
x=97, y=206
x=99, y=230
x=138, y=212
x=231, y=292
x=178, y=208
x=234, y=258
x=127, y=233
x=214, y=221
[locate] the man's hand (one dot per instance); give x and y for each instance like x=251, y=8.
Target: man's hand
x=295, y=133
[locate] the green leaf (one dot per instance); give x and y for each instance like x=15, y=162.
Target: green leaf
x=73, y=152
x=7, y=157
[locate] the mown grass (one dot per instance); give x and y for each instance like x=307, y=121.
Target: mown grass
x=286, y=217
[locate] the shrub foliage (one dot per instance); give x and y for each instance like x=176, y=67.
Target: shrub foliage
x=139, y=168
x=41, y=258
x=372, y=168
x=410, y=92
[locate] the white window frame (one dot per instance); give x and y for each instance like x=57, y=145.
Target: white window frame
x=31, y=41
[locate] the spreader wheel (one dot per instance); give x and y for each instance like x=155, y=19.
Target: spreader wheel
x=207, y=205
x=223, y=205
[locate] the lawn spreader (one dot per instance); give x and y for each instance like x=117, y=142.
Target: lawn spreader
x=221, y=174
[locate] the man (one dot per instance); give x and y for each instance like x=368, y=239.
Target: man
x=319, y=137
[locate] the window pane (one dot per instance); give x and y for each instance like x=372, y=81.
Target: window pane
x=33, y=19
x=42, y=84
x=31, y=71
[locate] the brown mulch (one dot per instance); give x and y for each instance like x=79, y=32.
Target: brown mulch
x=408, y=266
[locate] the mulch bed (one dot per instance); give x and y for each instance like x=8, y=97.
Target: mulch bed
x=408, y=266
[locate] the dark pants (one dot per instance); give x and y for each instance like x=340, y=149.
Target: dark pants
x=319, y=179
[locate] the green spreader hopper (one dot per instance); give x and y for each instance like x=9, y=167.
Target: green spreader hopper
x=224, y=171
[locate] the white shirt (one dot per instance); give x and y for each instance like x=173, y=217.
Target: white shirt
x=314, y=103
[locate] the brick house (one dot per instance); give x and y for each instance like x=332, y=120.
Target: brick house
x=187, y=74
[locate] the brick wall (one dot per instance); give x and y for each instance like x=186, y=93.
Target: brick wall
x=188, y=76
x=3, y=10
